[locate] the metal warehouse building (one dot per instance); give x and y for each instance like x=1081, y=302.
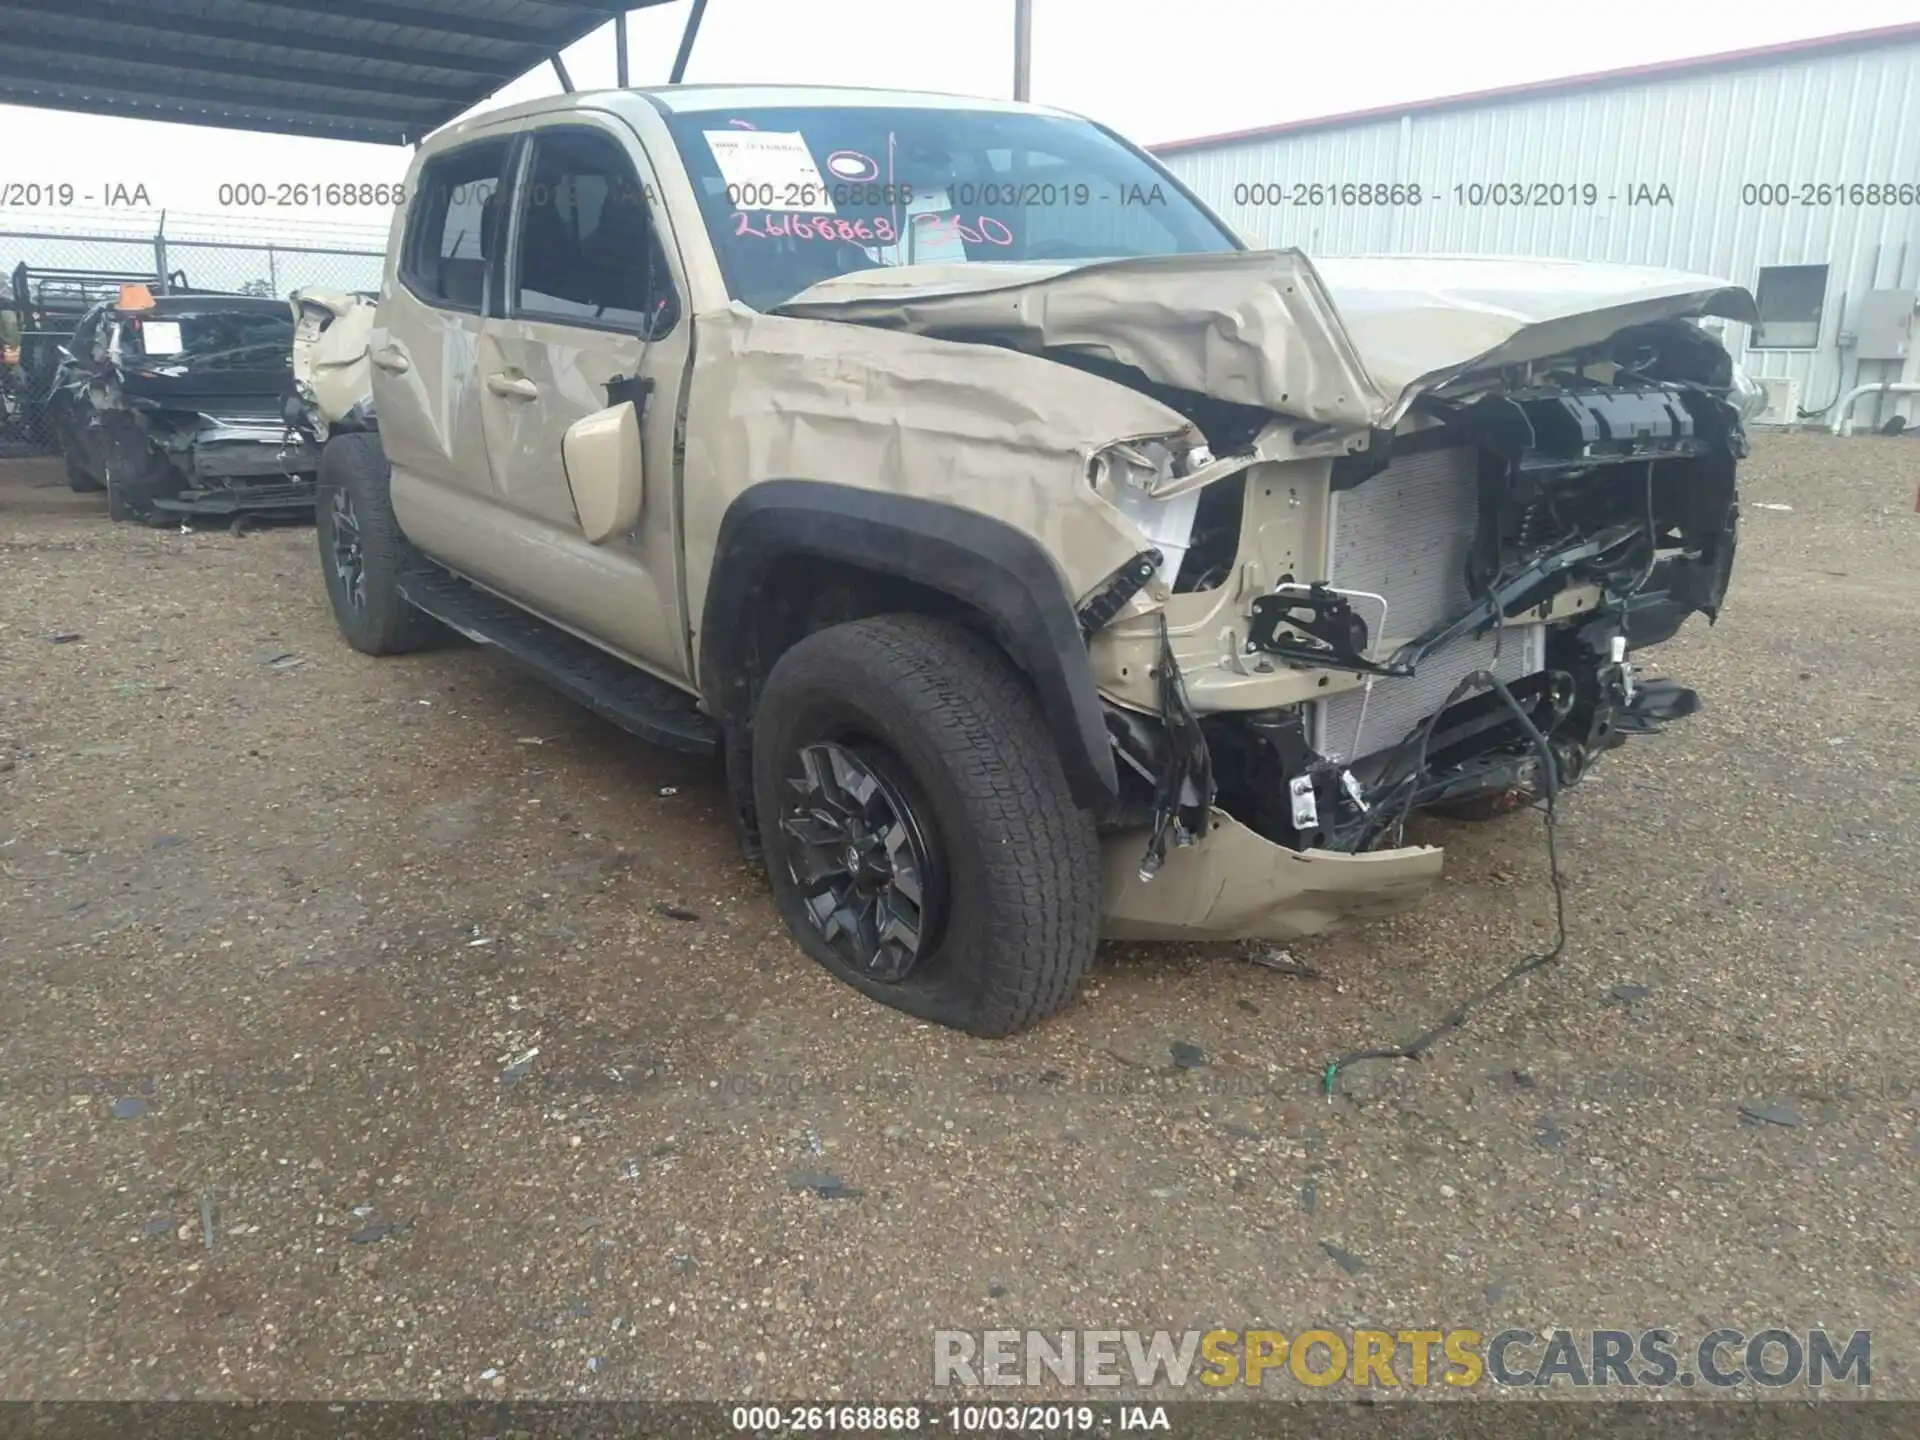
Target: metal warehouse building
x=1793, y=170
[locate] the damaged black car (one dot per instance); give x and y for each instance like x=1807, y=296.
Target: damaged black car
x=172, y=404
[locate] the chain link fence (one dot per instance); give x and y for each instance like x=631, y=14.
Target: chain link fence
x=56, y=276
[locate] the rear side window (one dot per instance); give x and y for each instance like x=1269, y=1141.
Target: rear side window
x=453, y=225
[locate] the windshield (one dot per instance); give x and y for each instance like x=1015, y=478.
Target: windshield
x=798, y=195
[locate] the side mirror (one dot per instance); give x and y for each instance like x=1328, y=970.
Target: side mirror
x=602, y=458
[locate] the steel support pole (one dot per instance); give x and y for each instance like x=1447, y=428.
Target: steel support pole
x=1022, y=49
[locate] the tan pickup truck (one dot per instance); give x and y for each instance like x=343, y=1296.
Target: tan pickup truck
x=1044, y=563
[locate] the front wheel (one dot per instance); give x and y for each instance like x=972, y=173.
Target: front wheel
x=362, y=551
x=135, y=472
x=920, y=837
x=80, y=480
x=127, y=501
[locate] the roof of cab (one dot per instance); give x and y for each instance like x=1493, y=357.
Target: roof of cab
x=694, y=99
x=707, y=99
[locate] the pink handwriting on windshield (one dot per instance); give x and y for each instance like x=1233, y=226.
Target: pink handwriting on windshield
x=774, y=225
x=985, y=230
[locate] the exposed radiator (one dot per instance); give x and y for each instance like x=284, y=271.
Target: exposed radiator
x=1404, y=535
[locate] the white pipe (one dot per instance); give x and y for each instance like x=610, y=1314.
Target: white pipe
x=1843, y=421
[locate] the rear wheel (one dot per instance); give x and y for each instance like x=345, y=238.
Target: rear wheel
x=920, y=838
x=362, y=551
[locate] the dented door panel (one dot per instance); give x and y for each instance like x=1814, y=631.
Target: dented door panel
x=565, y=350
x=536, y=380
x=425, y=372
x=624, y=590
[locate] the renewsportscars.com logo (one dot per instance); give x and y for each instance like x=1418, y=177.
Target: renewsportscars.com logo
x=1393, y=1359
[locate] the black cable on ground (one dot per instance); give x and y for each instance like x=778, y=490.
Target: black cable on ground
x=1417, y=1048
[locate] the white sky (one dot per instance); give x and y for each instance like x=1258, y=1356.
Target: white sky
x=1154, y=71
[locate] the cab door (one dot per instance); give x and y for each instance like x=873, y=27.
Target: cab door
x=425, y=342
x=591, y=320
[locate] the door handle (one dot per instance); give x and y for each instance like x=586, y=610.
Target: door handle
x=513, y=387
x=394, y=359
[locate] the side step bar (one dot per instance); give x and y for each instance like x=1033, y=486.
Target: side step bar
x=632, y=699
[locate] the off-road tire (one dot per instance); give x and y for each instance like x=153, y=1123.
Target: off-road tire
x=958, y=728
x=126, y=502
x=78, y=480
x=382, y=622
x=135, y=475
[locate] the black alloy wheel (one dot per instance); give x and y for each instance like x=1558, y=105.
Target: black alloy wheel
x=865, y=866
x=349, y=561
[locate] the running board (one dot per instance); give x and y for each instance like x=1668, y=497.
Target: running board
x=632, y=699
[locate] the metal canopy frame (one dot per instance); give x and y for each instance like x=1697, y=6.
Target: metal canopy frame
x=336, y=69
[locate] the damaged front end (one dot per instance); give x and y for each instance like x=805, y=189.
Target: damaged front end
x=1424, y=610
x=1423, y=513
x=1456, y=606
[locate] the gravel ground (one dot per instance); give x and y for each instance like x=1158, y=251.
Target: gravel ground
x=395, y=1028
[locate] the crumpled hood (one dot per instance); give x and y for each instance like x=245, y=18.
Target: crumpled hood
x=1420, y=320
x=1347, y=342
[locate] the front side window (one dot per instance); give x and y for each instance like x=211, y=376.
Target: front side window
x=587, y=250
x=452, y=224
x=794, y=196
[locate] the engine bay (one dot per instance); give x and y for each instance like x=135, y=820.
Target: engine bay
x=1487, y=572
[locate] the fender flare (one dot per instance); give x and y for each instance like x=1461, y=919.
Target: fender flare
x=998, y=571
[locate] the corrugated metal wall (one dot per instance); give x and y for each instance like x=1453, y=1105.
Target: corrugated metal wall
x=1831, y=119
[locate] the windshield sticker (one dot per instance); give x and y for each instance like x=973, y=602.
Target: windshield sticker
x=852, y=165
x=160, y=337
x=928, y=240
x=768, y=170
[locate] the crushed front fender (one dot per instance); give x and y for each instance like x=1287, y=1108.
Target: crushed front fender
x=1233, y=885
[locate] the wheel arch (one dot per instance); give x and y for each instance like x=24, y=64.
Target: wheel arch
x=792, y=555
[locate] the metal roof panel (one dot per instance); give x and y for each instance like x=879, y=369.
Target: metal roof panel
x=343, y=69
